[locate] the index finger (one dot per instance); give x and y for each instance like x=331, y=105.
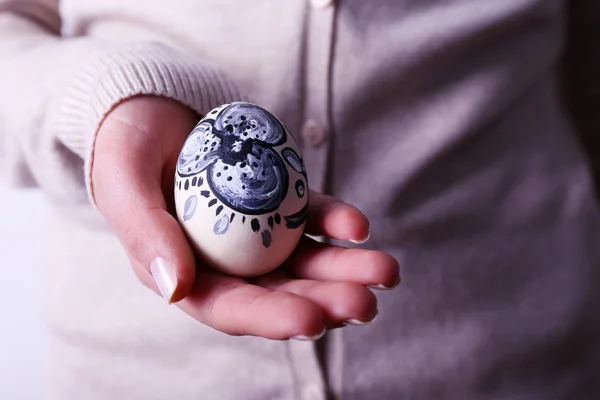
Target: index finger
x=336, y=219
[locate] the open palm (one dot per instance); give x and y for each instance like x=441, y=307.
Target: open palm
x=319, y=287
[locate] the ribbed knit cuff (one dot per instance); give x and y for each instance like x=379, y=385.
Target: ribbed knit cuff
x=120, y=73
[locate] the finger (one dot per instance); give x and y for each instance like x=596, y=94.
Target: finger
x=233, y=306
x=336, y=219
x=341, y=302
x=127, y=187
x=323, y=262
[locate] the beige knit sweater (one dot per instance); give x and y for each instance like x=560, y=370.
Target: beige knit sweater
x=441, y=119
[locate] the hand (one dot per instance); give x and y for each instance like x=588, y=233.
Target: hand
x=319, y=287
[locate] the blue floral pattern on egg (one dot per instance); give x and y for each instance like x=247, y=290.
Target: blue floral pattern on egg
x=238, y=158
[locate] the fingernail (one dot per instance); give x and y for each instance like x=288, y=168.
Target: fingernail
x=383, y=287
x=165, y=277
x=310, y=338
x=361, y=241
x=357, y=322
x=380, y=287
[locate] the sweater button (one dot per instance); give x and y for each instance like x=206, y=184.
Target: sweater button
x=321, y=3
x=313, y=133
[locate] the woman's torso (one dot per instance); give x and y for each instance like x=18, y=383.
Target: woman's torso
x=440, y=120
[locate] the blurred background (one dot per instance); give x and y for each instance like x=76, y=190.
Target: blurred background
x=23, y=337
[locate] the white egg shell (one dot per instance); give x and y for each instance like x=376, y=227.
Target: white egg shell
x=241, y=190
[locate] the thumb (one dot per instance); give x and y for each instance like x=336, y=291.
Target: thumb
x=127, y=177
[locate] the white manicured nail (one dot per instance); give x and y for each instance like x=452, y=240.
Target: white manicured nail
x=165, y=277
x=310, y=338
x=383, y=287
x=357, y=322
x=379, y=287
x=361, y=241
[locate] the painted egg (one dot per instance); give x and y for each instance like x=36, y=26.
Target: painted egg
x=241, y=190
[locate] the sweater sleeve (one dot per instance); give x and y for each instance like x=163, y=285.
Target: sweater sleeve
x=55, y=92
